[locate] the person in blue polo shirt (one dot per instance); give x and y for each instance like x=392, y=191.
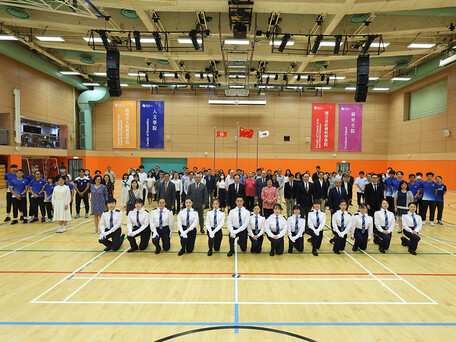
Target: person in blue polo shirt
x=396, y=183
x=9, y=196
x=18, y=188
x=414, y=187
x=419, y=182
x=48, y=190
x=31, y=177
x=389, y=190
x=71, y=186
x=428, y=199
x=37, y=197
x=82, y=192
x=440, y=192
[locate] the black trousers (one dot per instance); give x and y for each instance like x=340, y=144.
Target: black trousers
x=439, y=210
x=390, y=201
x=216, y=241
x=316, y=239
x=418, y=206
x=163, y=234
x=85, y=198
x=304, y=212
x=144, y=236
x=200, y=212
x=384, y=240
x=268, y=212
x=260, y=203
x=113, y=240
x=242, y=241
x=30, y=203
x=36, y=203
x=20, y=206
x=49, y=209
x=257, y=244
x=412, y=241
x=249, y=201
x=360, y=197
x=277, y=245
x=188, y=243
x=298, y=244
x=130, y=207
x=360, y=239
x=339, y=242
x=425, y=205
x=177, y=207
x=184, y=195
x=9, y=202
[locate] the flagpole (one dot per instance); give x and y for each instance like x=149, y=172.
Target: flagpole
x=215, y=139
x=258, y=147
x=237, y=146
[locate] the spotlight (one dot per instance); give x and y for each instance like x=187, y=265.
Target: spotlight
x=337, y=46
x=317, y=43
x=285, y=40
x=104, y=39
x=137, y=36
x=158, y=41
x=298, y=78
x=176, y=76
x=193, y=37
x=367, y=44
x=276, y=77
x=160, y=75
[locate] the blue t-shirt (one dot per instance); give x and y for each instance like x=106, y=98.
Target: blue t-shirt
x=440, y=190
x=81, y=183
x=37, y=185
x=71, y=186
x=389, y=186
x=19, y=185
x=49, y=189
x=395, y=183
x=9, y=177
x=414, y=188
x=429, y=190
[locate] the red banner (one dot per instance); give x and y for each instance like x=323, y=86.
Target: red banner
x=221, y=134
x=246, y=133
x=323, y=126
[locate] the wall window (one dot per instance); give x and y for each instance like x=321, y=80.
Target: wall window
x=429, y=100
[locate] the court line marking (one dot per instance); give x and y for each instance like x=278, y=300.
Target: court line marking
x=242, y=279
x=429, y=237
x=32, y=243
x=236, y=288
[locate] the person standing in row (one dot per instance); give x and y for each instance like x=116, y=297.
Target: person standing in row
x=98, y=197
x=259, y=185
x=348, y=188
x=389, y=185
x=238, y=220
x=235, y=189
x=414, y=187
x=82, y=193
x=221, y=191
x=281, y=180
x=178, y=186
x=412, y=224
x=276, y=228
x=61, y=199
x=48, y=191
x=111, y=227
x=142, y=179
x=211, y=185
x=161, y=226
x=187, y=219
x=336, y=195
x=249, y=184
x=289, y=194
x=31, y=177
x=109, y=186
x=255, y=230
x=215, y=219
x=316, y=175
x=134, y=193
x=269, y=196
x=305, y=195
x=167, y=191
x=296, y=227
x=110, y=173
x=401, y=200
x=197, y=192
x=440, y=192
x=373, y=195
x=150, y=187
x=428, y=199
x=9, y=196
x=316, y=220
x=360, y=183
x=341, y=223
x=138, y=224
x=18, y=188
x=321, y=189
x=37, y=197
x=362, y=229
x=125, y=187
x=384, y=223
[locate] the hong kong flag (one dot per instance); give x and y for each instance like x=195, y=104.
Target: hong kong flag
x=245, y=133
x=221, y=134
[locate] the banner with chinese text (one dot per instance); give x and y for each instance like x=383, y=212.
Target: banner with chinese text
x=124, y=124
x=323, y=126
x=350, y=127
x=152, y=124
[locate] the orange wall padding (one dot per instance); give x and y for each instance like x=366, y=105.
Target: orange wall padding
x=14, y=159
x=119, y=165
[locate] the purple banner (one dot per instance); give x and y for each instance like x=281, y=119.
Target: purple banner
x=350, y=127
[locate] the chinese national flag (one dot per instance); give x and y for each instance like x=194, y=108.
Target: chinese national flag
x=245, y=133
x=221, y=134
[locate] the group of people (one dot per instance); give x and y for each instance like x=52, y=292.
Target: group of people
x=253, y=202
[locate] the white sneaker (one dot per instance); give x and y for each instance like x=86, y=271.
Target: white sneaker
x=59, y=230
x=64, y=229
x=432, y=223
x=424, y=223
x=86, y=216
x=48, y=220
x=77, y=216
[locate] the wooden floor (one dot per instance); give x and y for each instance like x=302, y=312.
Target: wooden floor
x=57, y=287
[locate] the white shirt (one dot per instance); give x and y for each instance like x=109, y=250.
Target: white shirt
x=105, y=226
x=280, y=180
x=187, y=184
x=167, y=220
x=407, y=222
x=144, y=221
x=210, y=221
x=177, y=184
x=312, y=221
x=358, y=224
x=270, y=226
x=142, y=179
x=337, y=222
x=361, y=183
x=233, y=221
x=291, y=225
x=379, y=220
x=228, y=181
x=251, y=227
x=182, y=221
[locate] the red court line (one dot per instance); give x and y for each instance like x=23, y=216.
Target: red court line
x=229, y=273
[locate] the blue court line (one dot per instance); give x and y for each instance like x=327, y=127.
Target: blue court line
x=19, y=237
x=438, y=238
x=236, y=317
x=222, y=324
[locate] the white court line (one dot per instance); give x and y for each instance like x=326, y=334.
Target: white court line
x=47, y=237
x=373, y=275
x=437, y=246
x=93, y=277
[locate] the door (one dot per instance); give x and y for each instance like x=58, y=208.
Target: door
x=73, y=167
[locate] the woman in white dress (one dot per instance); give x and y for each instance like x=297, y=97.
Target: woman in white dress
x=125, y=185
x=61, y=198
x=149, y=185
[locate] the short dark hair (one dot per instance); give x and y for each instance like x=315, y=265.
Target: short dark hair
x=237, y=176
x=216, y=200
x=316, y=202
x=430, y=174
x=277, y=205
x=141, y=167
x=402, y=173
x=20, y=170
x=139, y=200
x=361, y=172
x=320, y=172
x=81, y=170
x=13, y=165
x=392, y=172
x=411, y=175
x=343, y=201
x=438, y=177
x=97, y=171
x=362, y=206
x=111, y=200
x=419, y=174
x=318, y=167
x=297, y=206
x=402, y=182
x=414, y=203
x=239, y=197
x=96, y=177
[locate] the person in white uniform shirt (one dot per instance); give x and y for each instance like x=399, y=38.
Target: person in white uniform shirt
x=411, y=225
x=362, y=228
x=111, y=227
x=161, y=226
x=316, y=220
x=238, y=220
x=142, y=178
x=360, y=183
x=276, y=228
x=296, y=226
x=138, y=224
x=255, y=230
x=187, y=219
x=384, y=222
x=281, y=180
x=178, y=185
x=341, y=225
x=215, y=219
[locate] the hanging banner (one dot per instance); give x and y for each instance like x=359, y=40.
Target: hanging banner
x=124, y=124
x=152, y=124
x=323, y=126
x=350, y=127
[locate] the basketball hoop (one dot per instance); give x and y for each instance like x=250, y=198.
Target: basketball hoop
x=236, y=100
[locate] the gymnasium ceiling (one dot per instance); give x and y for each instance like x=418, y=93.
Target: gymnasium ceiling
x=400, y=22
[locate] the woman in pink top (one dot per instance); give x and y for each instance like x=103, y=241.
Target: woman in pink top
x=269, y=195
x=249, y=184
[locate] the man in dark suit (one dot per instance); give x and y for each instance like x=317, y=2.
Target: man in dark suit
x=234, y=191
x=156, y=173
x=290, y=194
x=305, y=195
x=259, y=185
x=321, y=190
x=348, y=187
x=211, y=186
x=351, y=180
x=315, y=175
x=336, y=194
x=197, y=192
x=167, y=191
x=373, y=195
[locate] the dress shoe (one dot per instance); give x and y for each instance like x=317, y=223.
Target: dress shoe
x=14, y=222
x=202, y=231
x=412, y=252
x=381, y=250
x=331, y=241
x=314, y=252
x=107, y=249
x=158, y=249
x=7, y=219
x=209, y=253
x=355, y=249
x=271, y=253
x=290, y=250
x=403, y=241
x=131, y=250
x=181, y=252
x=336, y=251
x=230, y=253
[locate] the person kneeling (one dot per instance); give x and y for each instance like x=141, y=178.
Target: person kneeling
x=276, y=228
x=384, y=223
x=238, y=220
x=296, y=226
x=411, y=223
x=316, y=222
x=187, y=219
x=214, y=222
x=362, y=229
x=111, y=227
x=255, y=230
x=341, y=225
x=161, y=226
x=138, y=223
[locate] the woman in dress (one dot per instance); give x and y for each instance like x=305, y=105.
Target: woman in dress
x=61, y=198
x=402, y=198
x=98, y=198
x=134, y=193
x=125, y=186
x=150, y=187
x=221, y=191
x=109, y=186
x=269, y=194
x=275, y=182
